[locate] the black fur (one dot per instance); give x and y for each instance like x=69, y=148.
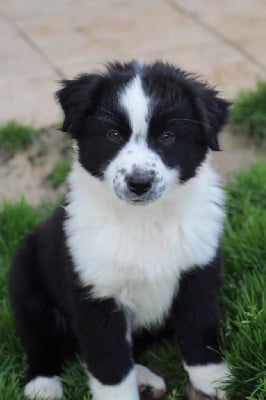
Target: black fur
x=196, y=314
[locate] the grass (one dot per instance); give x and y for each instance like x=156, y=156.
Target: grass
x=15, y=137
x=59, y=173
x=248, y=114
x=244, y=294
x=243, y=300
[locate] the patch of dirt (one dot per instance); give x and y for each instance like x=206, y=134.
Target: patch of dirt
x=26, y=173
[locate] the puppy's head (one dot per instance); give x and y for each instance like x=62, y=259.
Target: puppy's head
x=142, y=129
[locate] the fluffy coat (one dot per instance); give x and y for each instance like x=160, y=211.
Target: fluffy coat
x=133, y=251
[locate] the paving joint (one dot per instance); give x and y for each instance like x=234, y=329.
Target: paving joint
x=211, y=30
x=33, y=45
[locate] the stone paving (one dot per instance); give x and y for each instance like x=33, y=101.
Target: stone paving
x=42, y=42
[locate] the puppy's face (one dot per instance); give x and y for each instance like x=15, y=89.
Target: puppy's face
x=142, y=129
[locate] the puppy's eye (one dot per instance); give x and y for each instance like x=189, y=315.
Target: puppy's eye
x=114, y=136
x=166, y=138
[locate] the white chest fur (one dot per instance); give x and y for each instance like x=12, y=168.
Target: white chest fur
x=137, y=253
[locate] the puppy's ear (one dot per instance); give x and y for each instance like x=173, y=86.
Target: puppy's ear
x=77, y=98
x=214, y=113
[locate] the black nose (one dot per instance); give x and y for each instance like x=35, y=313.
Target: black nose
x=139, y=183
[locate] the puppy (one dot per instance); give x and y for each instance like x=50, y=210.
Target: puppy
x=134, y=249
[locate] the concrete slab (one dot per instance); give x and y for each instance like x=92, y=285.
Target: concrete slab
x=29, y=100
x=17, y=57
x=17, y=10
x=27, y=82
x=255, y=46
x=237, y=21
x=233, y=18
x=130, y=29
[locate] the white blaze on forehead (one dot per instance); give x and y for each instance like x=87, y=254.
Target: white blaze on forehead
x=136, y=104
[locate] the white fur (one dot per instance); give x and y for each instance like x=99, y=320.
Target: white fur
x=137, y=253
x=208, y=378
x=136, y=104
x=146, y=377
x=127, y=389
x=44, y=388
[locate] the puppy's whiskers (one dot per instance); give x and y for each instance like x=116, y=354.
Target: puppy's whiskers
x=189, y=120
x=106, y=119
x=108, y=113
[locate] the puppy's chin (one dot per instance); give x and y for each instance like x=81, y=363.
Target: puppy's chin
x=139, y=202
x=135, y=200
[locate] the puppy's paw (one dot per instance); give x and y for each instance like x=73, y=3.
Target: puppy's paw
x=207, y=380
x=44, y=388
x=193, y=394
x=151, y=386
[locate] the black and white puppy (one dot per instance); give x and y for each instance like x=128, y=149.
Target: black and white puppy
x=134, y=250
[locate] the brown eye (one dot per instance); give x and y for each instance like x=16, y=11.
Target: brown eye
x=167, y=138
x=115, y=136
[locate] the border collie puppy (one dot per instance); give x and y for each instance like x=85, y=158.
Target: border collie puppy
x=134, y=250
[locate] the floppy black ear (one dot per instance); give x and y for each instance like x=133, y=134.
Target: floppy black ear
x=214, y=112
x=77, y=98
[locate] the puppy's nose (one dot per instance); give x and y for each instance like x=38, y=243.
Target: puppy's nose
x=139, y=183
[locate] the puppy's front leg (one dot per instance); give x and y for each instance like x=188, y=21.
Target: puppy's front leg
x=196, y=314
x=101, y=328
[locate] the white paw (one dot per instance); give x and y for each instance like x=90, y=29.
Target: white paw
x=44, y=388
x=126, y=389
x=209, y=378
x=148, y=381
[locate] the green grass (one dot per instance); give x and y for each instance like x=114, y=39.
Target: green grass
x=243, y=300
x=244, y=294
x=248, y=114
x=15, y=137
x=59, y=173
